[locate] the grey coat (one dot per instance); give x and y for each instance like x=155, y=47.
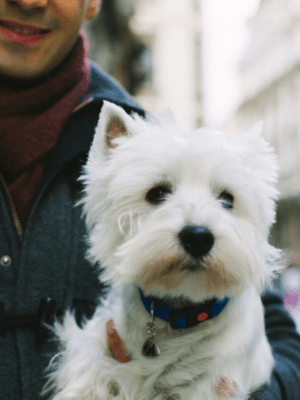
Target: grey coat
x=43, y=270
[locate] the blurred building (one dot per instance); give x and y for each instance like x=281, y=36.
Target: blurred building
x=270, y=81
x=172, y=30
x=270, y=73
x=115, y=47
x=154, y=49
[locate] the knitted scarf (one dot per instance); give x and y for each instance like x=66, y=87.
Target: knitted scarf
x=32, y=116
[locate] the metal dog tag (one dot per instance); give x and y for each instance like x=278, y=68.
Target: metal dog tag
x=150, y=347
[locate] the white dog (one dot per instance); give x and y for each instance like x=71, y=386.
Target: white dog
x=179, y=223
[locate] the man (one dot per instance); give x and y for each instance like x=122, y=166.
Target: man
x=49, y=105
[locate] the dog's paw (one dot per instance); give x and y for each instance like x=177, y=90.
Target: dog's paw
x=225, y=389
x=229, y=389
x=114, y=391
x=167, y=396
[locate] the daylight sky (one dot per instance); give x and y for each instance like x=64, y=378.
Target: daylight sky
x=225, y=36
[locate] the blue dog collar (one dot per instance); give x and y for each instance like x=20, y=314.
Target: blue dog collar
x=185, y=317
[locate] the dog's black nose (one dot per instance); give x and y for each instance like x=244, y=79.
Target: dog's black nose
x=197, y=240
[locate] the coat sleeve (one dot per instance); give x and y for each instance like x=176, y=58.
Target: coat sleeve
x=285, y=343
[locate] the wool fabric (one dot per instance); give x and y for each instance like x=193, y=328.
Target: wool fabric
x=32, y=116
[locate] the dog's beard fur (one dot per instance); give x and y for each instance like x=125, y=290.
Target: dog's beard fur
x=137, y=244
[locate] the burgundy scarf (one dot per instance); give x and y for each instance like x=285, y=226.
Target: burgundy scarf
x=32, y=115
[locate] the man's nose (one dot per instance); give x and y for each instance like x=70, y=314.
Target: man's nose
x=29, y=4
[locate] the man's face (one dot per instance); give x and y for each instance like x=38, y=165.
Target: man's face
x=35, y=35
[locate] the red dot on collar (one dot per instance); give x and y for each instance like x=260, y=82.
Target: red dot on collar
x=202, y=317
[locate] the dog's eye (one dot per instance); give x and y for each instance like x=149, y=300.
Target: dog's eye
x=226, y=199
x=158, y=194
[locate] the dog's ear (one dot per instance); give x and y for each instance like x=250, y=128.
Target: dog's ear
x=259, y=154
x=113, y=123
x=261, y=162
x=255, y=132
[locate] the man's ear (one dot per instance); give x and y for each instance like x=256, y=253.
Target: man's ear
x=93, y=9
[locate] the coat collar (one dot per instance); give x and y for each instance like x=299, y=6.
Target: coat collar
x=78, y=133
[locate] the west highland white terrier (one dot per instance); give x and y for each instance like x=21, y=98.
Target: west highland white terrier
x=179, y=224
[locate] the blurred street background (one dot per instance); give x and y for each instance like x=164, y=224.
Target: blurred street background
x=222, y=64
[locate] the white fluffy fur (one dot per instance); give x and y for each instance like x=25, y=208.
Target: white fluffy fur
x=137, y=245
